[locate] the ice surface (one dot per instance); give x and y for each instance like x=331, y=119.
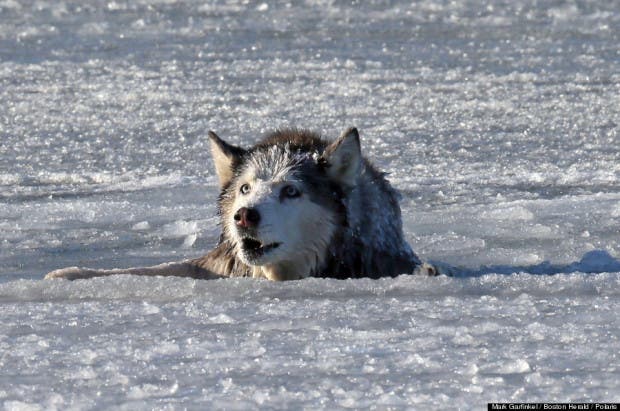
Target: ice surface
x=132, y=342
x=497, y=121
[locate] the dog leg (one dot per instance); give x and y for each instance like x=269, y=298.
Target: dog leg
x=182, y=269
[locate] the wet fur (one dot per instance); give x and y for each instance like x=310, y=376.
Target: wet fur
x=362, y=233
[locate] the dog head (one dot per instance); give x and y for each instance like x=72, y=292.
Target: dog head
x=282, y=201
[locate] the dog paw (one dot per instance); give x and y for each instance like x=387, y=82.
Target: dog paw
x=69, y=273
x=427, y=269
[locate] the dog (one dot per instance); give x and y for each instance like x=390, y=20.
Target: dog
x=295, y=206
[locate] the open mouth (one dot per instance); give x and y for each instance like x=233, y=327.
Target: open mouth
x=255, y=249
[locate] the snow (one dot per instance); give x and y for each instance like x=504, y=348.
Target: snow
x=497, y=121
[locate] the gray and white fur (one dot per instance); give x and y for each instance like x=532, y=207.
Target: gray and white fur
x=295, y=206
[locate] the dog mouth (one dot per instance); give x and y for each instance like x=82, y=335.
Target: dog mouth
x=254, y=249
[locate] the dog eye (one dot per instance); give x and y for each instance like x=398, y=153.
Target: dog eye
x=290, y=192
x=244, y=189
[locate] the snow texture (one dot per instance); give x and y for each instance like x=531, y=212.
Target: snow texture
x=497, y=121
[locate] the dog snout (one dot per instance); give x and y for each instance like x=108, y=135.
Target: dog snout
x=247, y=217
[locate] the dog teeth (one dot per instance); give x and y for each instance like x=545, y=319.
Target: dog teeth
x=255, y=246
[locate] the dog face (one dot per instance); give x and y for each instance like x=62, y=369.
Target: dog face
x=274, y=217
x=281, y=205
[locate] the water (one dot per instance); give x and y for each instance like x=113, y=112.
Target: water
x=498, y=123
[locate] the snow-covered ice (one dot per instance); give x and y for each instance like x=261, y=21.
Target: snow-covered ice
x=142, y=343
x=498, y=122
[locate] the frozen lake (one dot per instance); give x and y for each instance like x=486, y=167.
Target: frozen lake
x=497, y=121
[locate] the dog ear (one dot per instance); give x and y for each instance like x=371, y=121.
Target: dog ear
x=226, y=157
x=343, y=158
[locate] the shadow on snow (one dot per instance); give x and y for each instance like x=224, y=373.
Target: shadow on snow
x=593, y=262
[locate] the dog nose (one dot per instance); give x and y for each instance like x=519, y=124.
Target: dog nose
x=247, y=217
